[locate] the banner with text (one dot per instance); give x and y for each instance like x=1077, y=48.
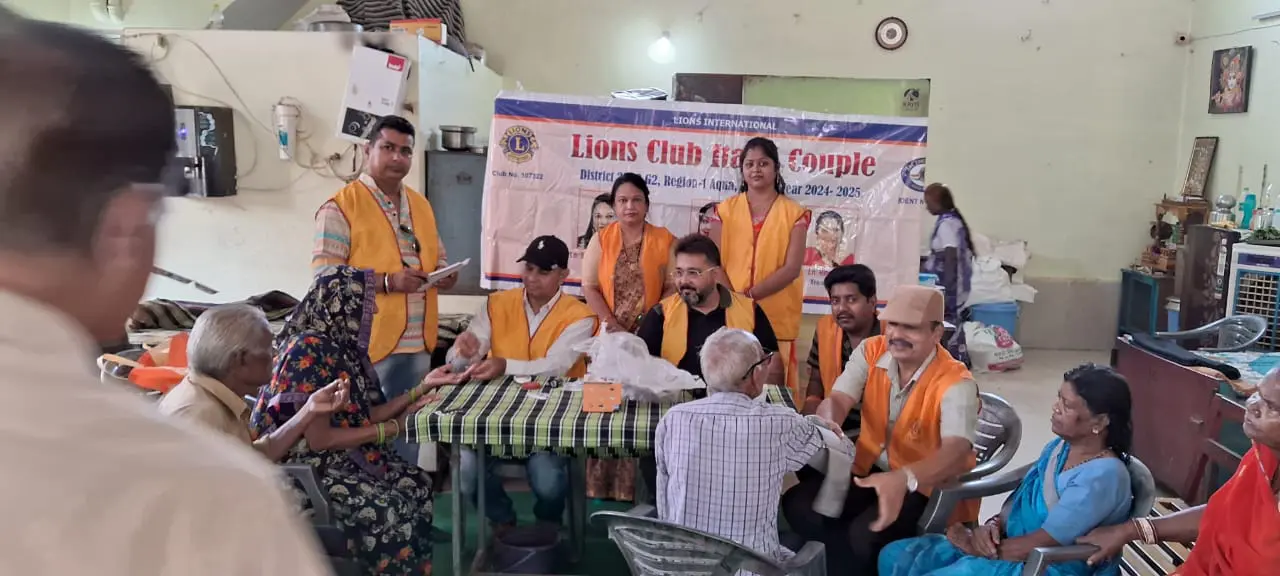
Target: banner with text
x=553, y=159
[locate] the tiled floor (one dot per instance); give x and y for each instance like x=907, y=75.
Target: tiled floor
x=1031, y=391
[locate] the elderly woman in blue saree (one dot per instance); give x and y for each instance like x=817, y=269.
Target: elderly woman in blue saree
x=1080, y=482
x=382, y=503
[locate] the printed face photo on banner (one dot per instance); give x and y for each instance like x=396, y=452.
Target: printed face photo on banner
x=555, y=158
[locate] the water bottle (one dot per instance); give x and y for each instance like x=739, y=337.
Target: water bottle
x=1246, y=210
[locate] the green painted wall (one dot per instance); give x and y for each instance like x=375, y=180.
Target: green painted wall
x=838, y=95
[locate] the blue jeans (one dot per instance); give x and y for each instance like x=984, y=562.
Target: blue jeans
x=398, y=374
x=548, y=477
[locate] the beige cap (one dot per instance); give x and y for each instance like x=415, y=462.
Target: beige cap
x=914, y=306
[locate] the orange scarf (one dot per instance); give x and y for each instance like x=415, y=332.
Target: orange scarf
x=1240, y=529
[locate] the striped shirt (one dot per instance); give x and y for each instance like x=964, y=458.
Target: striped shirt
x=720, y=464
x=332, y=247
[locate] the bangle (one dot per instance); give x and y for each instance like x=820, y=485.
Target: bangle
x=413, y=394
x=382, y=433
x=1146, y=530
x=395, y=434
x=386, y=283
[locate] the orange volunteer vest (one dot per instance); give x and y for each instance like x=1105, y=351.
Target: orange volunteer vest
x=675, y=323
x=830, y=340
x=917, y=434
x=376, y=246
x=747, y=260
x=655, y=256
x=510, y=327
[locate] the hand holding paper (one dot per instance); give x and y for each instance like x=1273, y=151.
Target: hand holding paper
x=435, y=277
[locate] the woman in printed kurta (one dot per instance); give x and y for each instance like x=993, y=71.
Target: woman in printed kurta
x=625, y=272
x=382, y=503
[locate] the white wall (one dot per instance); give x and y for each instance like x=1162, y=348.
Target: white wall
x=261, y=239
x=1249, y=139
x=56, y=10
x=1054, y=121
x=452, y=93
x=171, y=14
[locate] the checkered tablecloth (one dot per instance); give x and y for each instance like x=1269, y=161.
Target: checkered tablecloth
x=512, y=422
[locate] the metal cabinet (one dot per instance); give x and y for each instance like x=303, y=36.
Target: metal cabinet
x=455, y=187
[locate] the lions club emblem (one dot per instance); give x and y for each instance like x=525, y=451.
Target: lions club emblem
x=519, y=144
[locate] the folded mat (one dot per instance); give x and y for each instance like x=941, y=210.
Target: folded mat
x=1171, y=351
x=161, y=314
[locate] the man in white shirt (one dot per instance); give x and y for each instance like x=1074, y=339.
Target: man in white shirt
x=95, y=481
x=528, y=331
x=721, y=459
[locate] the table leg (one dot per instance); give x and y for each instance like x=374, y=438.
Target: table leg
x=458, y=521
x=643, y=491
x=577, y=507
x=482, y=520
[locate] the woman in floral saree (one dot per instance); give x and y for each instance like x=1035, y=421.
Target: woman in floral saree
x=1080, y=482
x=382, y=503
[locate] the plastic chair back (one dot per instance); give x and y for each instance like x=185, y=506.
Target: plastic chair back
x=999, y=435
x=654, y=547
x=1143, y=485
x=1233, y=333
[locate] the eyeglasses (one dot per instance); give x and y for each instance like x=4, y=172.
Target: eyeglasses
x=413, y=240
x=761, y=362
x=691, y=273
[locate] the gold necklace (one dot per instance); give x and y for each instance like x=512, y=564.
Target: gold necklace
x=1086, y=460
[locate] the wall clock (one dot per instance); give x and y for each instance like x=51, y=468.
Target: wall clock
x=891, y=33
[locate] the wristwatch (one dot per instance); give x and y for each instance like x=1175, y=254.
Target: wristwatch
x=912, y=482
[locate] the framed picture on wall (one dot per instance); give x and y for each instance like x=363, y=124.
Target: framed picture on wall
x=1229, y=80
x=1198, y=169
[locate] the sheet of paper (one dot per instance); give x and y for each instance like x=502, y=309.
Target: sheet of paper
x=438, y=275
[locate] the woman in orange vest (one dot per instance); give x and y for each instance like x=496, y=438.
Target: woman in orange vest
x=625, y=272
x=761, y=234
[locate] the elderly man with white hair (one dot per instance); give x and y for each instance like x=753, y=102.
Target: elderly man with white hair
x=228, y=358
x=721, y=460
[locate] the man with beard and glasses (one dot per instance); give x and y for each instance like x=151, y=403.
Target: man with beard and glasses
x=677, y=327
x=852, y=290
x=919, y=420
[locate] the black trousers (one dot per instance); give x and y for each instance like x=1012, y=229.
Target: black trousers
x=851, y=546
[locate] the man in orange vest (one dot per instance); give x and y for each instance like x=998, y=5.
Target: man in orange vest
x=917, y=433
x=379, y=224
x=676, y=328
x=527, y=331
x=852, y=291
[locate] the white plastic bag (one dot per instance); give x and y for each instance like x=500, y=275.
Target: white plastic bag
x=989, y=283
x=991, y=349
x=624, y=358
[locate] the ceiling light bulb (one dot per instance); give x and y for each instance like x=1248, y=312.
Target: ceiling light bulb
x=662, y=51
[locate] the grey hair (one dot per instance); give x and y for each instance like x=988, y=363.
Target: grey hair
x=726, y=357
x=223, y=332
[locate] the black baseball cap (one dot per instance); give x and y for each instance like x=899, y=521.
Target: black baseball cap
x=547, y=253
